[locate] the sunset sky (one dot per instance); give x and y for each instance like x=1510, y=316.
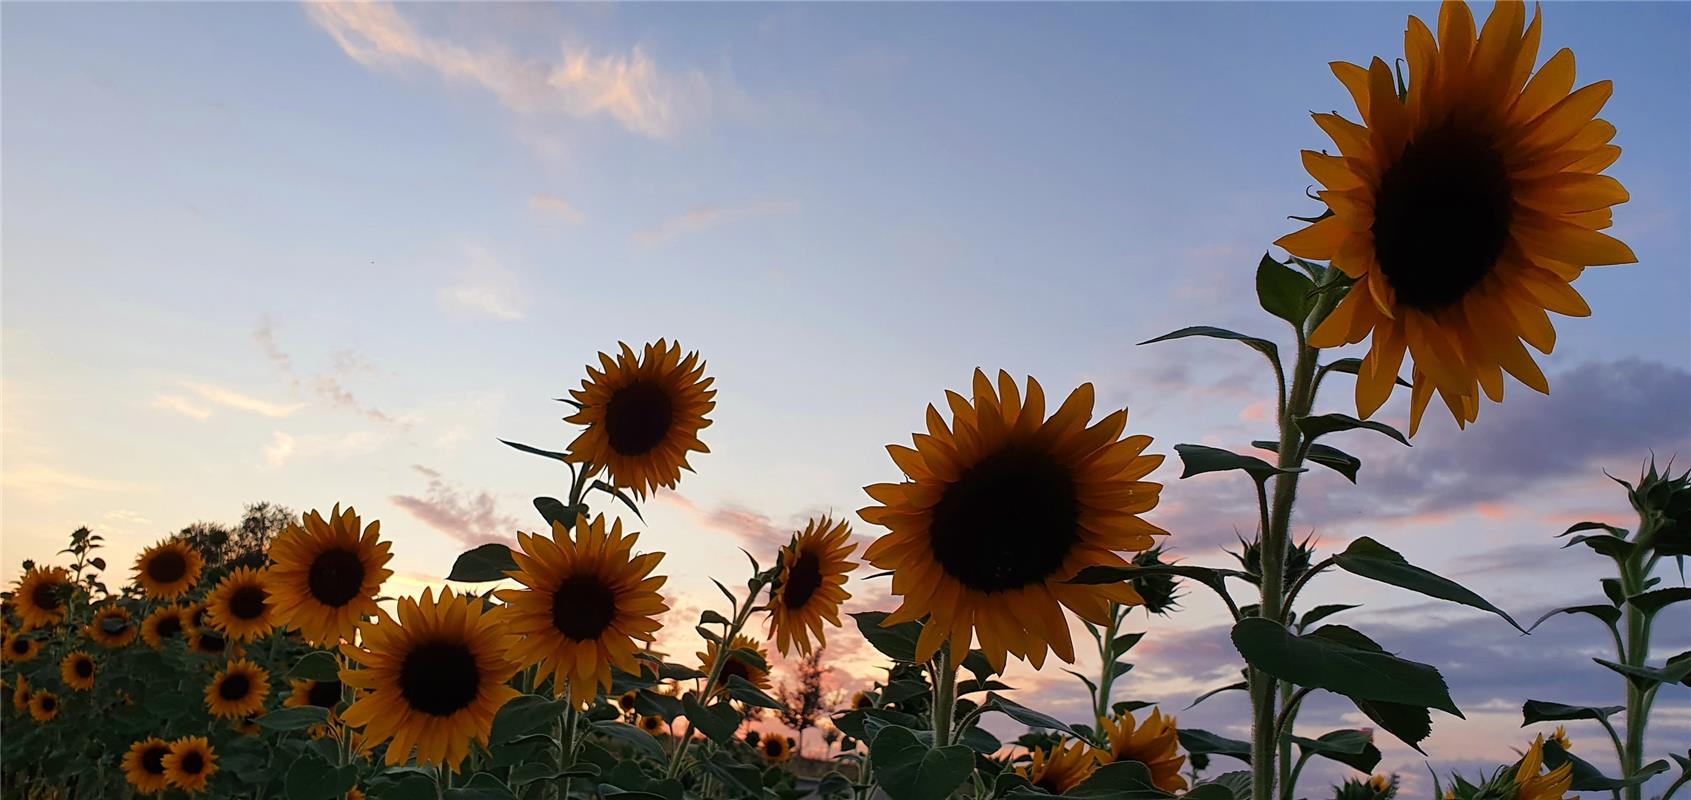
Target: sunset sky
x=319, y=254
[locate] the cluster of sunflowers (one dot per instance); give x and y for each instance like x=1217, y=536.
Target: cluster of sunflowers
x=1458, y=212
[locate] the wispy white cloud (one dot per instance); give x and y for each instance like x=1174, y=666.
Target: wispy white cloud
x=556, y=207
x=485, y=288
x=229, y=398
x=706, y=217
x=327, y=386
x=629, y=87
x=280, y=449
x=50, y=483
x=180, y=405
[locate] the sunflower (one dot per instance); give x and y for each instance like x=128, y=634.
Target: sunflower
x=1062, y=768
x=190, y=763
x=862, y=700
x=652, y=724
x=1464, y=210
x=240, y=605
x=1156, y=744
x=432, y=680
x=1004, y=507
x=643, y=415
x=811, y=584
x=775, y=749
x=354, y=793
x=111, y=627
x=586, y=603
x=77, y=671
x=143, y=765
x=322, y=694
x=43, y=706
x=162, y=625
x=41, y=596
x=167, y=570
x=209, y=642
x=238, y=690
x=625, y=701
x=1529, y=785
x=755, y=674
x=327, y=575
x=18, y=649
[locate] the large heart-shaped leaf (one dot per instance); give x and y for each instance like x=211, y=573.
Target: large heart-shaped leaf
x=908, y=769
x=1330, y=659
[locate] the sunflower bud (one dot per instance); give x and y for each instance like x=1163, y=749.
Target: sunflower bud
x=1161, y=591
x=1298, y=559
x=1663, y=503
x=1377, y=787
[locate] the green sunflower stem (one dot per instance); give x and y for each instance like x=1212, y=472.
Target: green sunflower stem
x=1634, y=573
x=566, y=742
x=1107, y=666
x=945, y=695
x=714, y=678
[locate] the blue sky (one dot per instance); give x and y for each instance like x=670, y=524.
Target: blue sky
x=327, y=254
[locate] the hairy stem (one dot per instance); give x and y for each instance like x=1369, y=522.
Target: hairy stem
x=945, y=695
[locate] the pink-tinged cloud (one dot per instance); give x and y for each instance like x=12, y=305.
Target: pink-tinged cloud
x=472, y=518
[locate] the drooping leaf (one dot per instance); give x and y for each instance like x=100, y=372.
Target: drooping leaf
x=744, y=691
x=1353, y=748
x=1608, y=614
x=488, y=562
x=1588, y=778
x=1316, y=426
x=897, y=642
x=1645, y=677
x=1025, y=715
x=555, y=512
x=1409, y=723
x=481, y=786
x=1593, y=526
x=1330, y=457
x=639, y=739
x=1353, y=366
x=554, y=455
x=623, y=496
x=1263, y=346
x=318, y=665
x=1543, y=711
x=1329, y=659
x=1373, y=560
x=1198, y=740
x=1198, y=459
x=1319, y=613
x=1231, y=687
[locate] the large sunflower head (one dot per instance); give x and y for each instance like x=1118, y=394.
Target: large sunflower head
x=77, y=671
x=111, y=627
x=322, y=694
x=190, y=764
x=327, y=575
x=999, y=510
x=1061, y=768
x=1552, y=785
x=143, y=766
x=162, y=626
x=238, y=690
x=755, y=673
x=1156, y=744
x=810, y=585
x=43, y=706
x=643, y=415
x=41, y=596
x=19, y=648
x=587, y=601
x=432, y=680
x=1464, y=209
x=240, y=605
x=167, y=570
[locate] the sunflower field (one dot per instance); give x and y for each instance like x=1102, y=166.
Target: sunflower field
x=1021, y=520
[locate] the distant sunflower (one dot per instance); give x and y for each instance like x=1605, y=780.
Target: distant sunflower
x=1001, y=509
x=240, y=605
x=587, y=601
x=43, y=706
x=209, y=641
x=143, y=766
x=810, y=586
x=190, y=763
x=111, y=627
x=18, y=649
x=322, y=694
x=652, y=724
x=163, y=625
x=167, y=570
x=1560, y=737
x=248, y=726
x=755, y=674
x=41, y=595
x=643, y=415
x=1156, y=744
x=77, y=671
x=1552, y=785
x=238, y=690
x=775, y=749
x=432, y=680
x=625, y=701
x=1061, y=769
x=354, y=793
x=862, y=700
x=20, y=695
x=1464, y=210
x=327, y=575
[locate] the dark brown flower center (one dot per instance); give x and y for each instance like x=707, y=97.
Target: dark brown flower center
x=169, y=626
x=1008, y=521
x=774, y=747
x=439, y=678
x=48, y=703
x=167, y=566
x=583, y=607
x=20, y=646
x=638, y=417
x=209, y=642
x=191, y=763
x=234, y=687
x=734, y=666
x=802, y=581
x=83, y=667
x=336, y=577
x=152, y=759
x=247, y=602
x=324, y=694
x=46, y=596
x=1441, y=216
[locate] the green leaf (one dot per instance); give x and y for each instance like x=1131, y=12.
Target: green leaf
x=980, y=741
x=564, y=457
x=1285, y=293
x=1608, y=614
x=1317, y=426
x=1612, y=546
x=318, y=665
x=1330, y=457
x=488, y=562
x=1122, y=780
x=1593, y=526
x=718, y=722
x=1330, y=659
x=1025, y=715
x=1319, y=613
x=1409, y=723
x=1231, y=687
x=639, y=739
x=1645, y=677
x=1237, y=782
x=1353, y=748
x=1125, y=642
x=1612, y=590
x=1588, y=778
x=555, y=512
x=897, y=642
x=676, y=672
x=709, y=617
x=481, y=786
x=1652, y=602
x=523, y=715
x=1542, y=711
x=834, y=786
x=977, y=665
x=911, y=770
x=1263, y=346
x=652, y=704
x=312, y=778
x=1353, y=366
x=1373, y=560
x=293, y=719
x=620, y=495
x=1198, y=459
x=532, y=771
x=742, y=690
x=1198, y=740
